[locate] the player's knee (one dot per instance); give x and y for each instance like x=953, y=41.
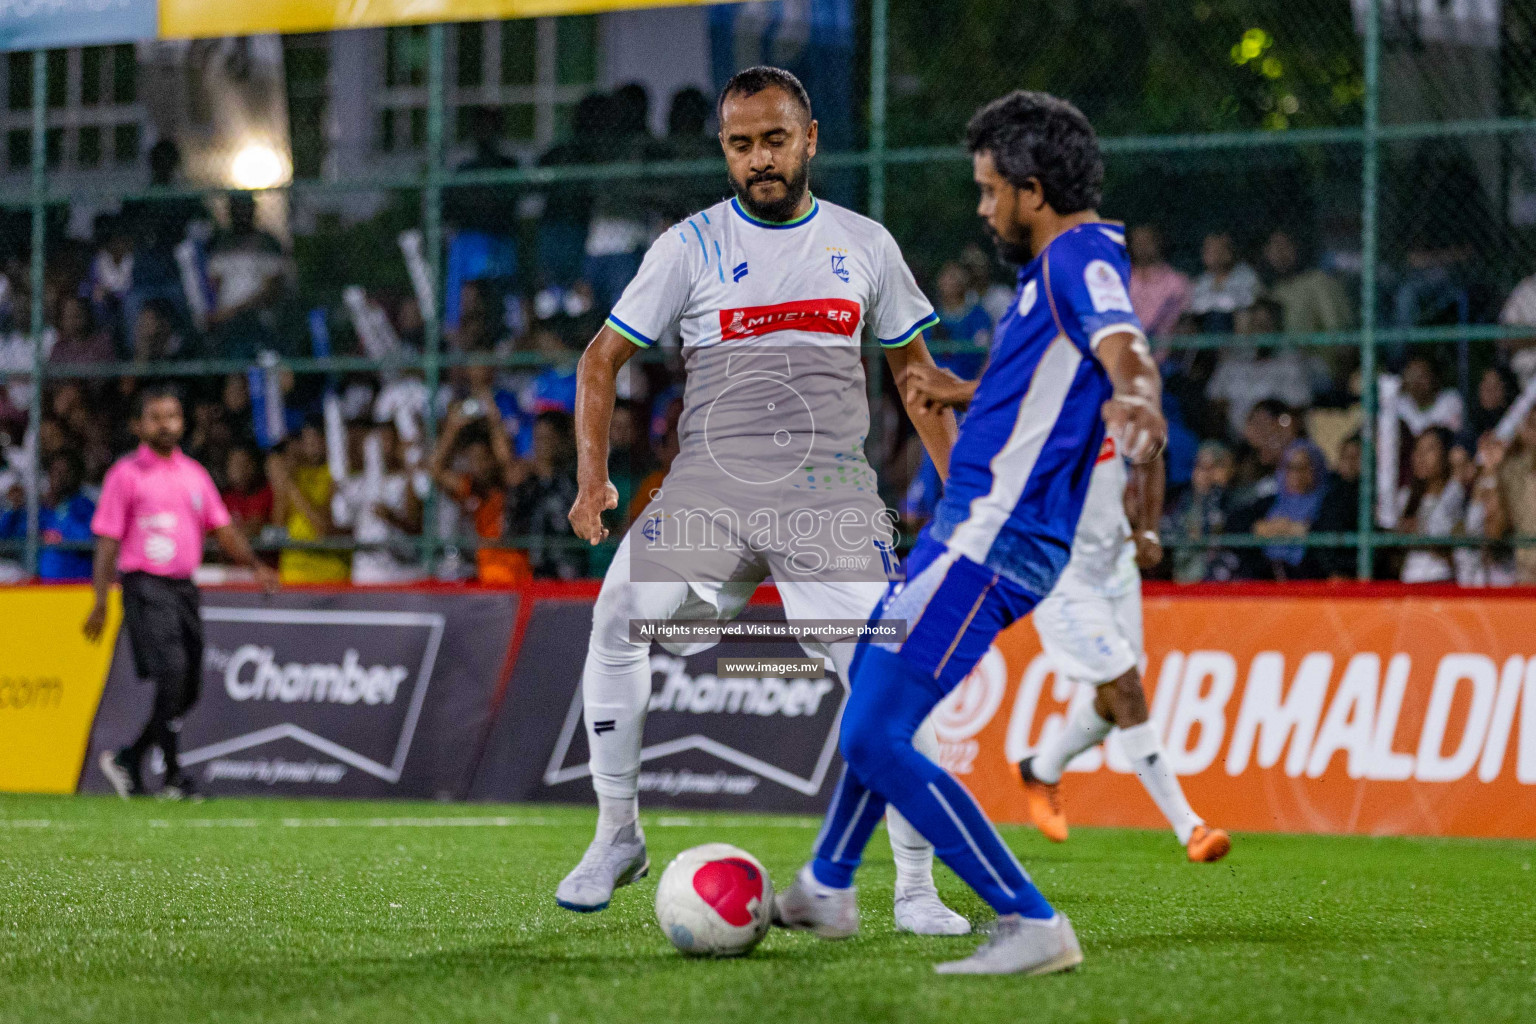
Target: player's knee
x=1124, y=698
x=867, y=741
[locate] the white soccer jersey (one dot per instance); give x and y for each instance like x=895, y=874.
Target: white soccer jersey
x=1103, y=558
x=785, y=299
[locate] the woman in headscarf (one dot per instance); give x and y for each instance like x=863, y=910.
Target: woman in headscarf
x=1301, y=480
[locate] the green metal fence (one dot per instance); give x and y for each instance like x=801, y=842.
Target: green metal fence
x=1260, y=104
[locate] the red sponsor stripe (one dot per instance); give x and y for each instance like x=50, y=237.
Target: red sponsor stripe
x=1106, y=450
x=819, y=316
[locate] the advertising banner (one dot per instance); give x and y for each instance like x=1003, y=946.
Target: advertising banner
x=731, y=742
x=50, y=683
x=348, y=694
x=188, y=18
x=1376, y=715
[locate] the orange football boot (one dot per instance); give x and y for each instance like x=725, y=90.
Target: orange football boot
x=1208, y=845
x=1044, y=800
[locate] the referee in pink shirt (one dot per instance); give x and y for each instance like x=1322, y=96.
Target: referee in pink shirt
x=156, y=504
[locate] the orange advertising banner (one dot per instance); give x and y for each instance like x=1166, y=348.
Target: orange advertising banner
x=1344, y=712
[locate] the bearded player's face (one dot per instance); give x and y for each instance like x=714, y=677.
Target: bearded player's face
x=1002, y=207
x=769, y=140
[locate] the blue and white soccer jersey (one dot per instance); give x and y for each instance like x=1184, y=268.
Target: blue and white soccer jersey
x=1090, y=622
x=1020, y=471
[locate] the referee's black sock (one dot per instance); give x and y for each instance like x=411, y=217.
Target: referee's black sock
x=169, y=742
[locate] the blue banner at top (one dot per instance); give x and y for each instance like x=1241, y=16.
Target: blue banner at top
x=50, y=24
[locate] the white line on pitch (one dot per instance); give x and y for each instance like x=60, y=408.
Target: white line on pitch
x=498, y=821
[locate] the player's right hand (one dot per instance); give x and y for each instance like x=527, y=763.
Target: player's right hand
x=95, y=622
x=586, y=514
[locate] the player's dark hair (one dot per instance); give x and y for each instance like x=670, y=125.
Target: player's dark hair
x=752, y=81
x=152, y=392
x=1036, y=135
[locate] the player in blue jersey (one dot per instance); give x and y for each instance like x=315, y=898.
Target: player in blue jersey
x=1069, y=362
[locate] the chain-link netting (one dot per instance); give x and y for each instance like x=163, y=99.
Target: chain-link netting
x=371, y=259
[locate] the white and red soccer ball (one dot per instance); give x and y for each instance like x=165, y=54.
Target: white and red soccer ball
x=715, y=900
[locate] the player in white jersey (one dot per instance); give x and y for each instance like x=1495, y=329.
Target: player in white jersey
x=1090, y=628
x=770, y=292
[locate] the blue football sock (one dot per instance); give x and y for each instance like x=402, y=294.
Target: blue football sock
x=889, y=699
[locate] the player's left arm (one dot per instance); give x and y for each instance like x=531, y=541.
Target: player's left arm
x=1133, y=415
x=933, y=420
x=1144, y=509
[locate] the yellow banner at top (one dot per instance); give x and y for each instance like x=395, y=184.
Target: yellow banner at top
x=186, y=19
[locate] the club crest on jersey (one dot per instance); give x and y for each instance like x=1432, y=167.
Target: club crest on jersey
x=738, y=272
x=839, y=263
x=1105, y=289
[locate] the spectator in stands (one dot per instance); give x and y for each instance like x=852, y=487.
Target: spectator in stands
x=1506, y=489
x=554, y=388
x=158, y=224
x=1341, y=509
x=1226, y=286
x=689, y=138
x=154, y=332
x=995, y=296
x=1310, y=299
x=302, y=489
x=475, y=467
x=110, y=277
x=1439, y=229
x=1201, y=511
x=246, y=494
x=963, y=324
x=1270, y=429
x=78, y=339
x=618, y=233
x=1299, y=488
x=564, y=210
x=480, y=326
x=1520, y=311
x=1244, y=376
x=1496, y=390
x=483, y=217
x=538, y=502
x=380, y=502
x=1423, y=403
x=64, y=515
x=1433, y=505
x=250, y=274
x=629, y=456
x=1159, y=293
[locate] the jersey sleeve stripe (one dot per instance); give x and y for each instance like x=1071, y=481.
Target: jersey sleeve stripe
x=629, y=332
x=906, y=336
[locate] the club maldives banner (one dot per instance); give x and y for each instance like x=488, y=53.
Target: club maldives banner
x=1368, y=714
x=761, y=744
x=317, y=693
x=45, y=24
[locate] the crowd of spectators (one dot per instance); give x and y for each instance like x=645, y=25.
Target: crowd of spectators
x=353, y=476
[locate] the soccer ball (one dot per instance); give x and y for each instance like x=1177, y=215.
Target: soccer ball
x=714, y=900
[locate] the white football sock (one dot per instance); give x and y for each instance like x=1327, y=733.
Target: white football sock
x=1145, y=752
x=1083, y=729
x=616, y=687
x=912, y=853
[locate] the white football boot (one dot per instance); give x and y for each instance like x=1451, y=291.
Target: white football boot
x=807, y=905
x=607, y=864
x=1022, y=945
x=920, y=911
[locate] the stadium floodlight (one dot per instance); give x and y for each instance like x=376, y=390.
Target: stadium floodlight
x=257, y=166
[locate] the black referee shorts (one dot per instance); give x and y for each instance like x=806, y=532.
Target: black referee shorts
x=165, y=633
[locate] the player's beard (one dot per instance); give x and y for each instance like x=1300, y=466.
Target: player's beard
x=779, y=210
x=1016, y=253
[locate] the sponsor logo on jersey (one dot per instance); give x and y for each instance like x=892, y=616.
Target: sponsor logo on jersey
x=738, y=272
x=1105, y=289
x=817, y=316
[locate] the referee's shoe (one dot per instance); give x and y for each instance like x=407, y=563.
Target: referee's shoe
x=123, y=773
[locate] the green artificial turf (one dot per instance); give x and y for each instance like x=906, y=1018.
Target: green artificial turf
x=378, y=913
